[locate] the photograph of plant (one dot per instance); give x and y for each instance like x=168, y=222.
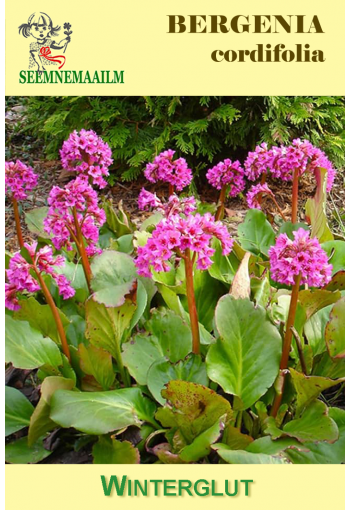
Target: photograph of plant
x=175, y=280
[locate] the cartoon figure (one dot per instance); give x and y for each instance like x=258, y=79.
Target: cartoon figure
x=40, y=27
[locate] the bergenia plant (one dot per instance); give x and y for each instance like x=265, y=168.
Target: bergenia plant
x=86, y=153
x=186, y=237
x=288, y=163
x=19, y=180
x=298, y=262
x=165, y=168
x=74, y=216
x=175, y=205
x=226, y=176
x=26, y=276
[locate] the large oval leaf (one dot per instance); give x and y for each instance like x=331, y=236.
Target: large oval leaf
x=335, y=330
x=245, y=359
x=25, y=347
x=114, y=275
x=162, y=371
x=255, y=234
x=101, y=412
x=18, y=410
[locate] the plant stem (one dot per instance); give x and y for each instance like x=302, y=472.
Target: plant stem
x=278, y=208
x=82, y=251
x=192, y=302
x=221, y=204
x=56, y=315
x=171, y=189
x=287, y=343
x=18, y=222
x=295, y=195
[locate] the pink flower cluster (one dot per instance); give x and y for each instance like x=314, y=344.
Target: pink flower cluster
x=175, y=205
x=283, y=161
x=255, y=193
x=19, y=179
x=59, y=222
x=85, y=152
x=20, y=277
x=227, y=173
x=176, y=234
x=304, y=256
x=165, y=168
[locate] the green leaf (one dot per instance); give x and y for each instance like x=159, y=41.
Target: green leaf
x=139, y=354
x=244, y=457
x=314, y=330
x=111, y=451
x=118, y=221
x=202, y=443
x=75, y=274
x=335, y=330
x=75, y=331
x=336, y=254
x=309, y=387
x=323, y=453
x=192, y=408
x=40, y=318
x=162, y=371
x=261, y=290
x=288, y=228
x=313, y=425
x=315, y=300
x=98, y=363
x=245, y=359
x=315, y=209
x=325, y=366
x=234, y=438
x=172, y=332
x=224, y=267
x=114, y=275
x=141, y=303
x=105, y=326
x=19, y=452
x=18, y=410
x=25, y=347
x=256, y=234
x=268, y=446
x=34, y=221
x=40, y=421
x=101, y=412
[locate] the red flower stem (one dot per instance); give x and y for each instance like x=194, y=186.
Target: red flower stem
x=18, y=222
x=221, y=204
x=192, y=302
x=81, y=249
x=278, y=208
x=263, y=180
x=287, y=344
x=171, y=189
x=55, y=313
x=295, y=195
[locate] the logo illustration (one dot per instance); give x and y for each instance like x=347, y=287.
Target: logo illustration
x=41, y=28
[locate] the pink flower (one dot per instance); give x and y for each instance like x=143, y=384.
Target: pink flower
x=87, y=153
x=227, y=173
x=175, y=205
x=165, y=168
x=302, y=256
x=255, y=193
x=284, y=160
x=59, y=221
x=176, y=234
x=20, y=274
x=19, y=179
x=259, y=161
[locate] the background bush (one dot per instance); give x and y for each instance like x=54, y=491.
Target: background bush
x=202, y=129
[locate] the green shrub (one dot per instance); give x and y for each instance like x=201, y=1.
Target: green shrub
x=202, y=129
